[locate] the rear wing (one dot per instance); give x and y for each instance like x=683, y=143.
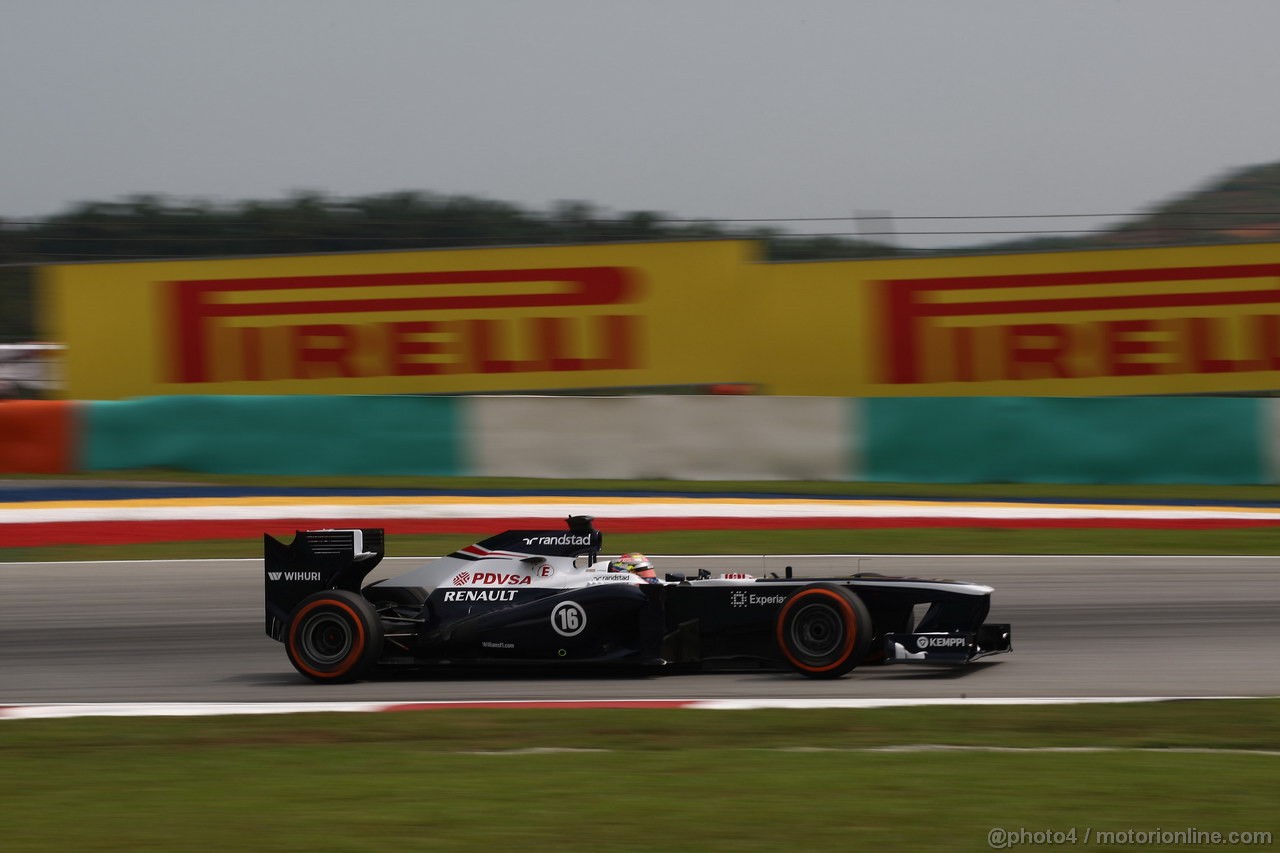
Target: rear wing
x=315, y=560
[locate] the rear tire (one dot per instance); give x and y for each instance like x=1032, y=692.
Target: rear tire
x=823, y=630
x=334, y=637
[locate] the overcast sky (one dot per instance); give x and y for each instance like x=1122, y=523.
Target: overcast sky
x=699, y=108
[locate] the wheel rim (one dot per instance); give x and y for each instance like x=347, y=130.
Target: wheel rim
x=325, y=638
x=817, y=631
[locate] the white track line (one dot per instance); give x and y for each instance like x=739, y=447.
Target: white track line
x=190, y=709
x=1159, y=750
x=159, y=511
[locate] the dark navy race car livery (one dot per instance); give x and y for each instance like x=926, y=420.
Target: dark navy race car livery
x=542, y=598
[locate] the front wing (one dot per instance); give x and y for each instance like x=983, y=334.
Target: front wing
x=948, y=646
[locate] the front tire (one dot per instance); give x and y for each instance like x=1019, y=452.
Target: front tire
x=823, y=630
x=334, y=637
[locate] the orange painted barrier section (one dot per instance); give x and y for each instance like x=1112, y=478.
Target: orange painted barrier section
x=37, y=436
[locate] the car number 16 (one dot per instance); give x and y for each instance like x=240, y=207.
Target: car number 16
x=568, y=619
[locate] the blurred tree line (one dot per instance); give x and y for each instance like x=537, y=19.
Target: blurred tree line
x=152, y=227
x=1241, y=206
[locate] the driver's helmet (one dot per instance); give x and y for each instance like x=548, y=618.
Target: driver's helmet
x=636, y=563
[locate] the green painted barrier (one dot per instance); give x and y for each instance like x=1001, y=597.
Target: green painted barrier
x=1062, y=440
x=276, y=435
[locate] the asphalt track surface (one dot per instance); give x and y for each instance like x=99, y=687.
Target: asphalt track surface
x=1082, y=626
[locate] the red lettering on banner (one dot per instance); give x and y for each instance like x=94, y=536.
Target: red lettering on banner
x=1210, y=349
x=595, y=336
x=1126, y=346
x=935, y=331
x=322, y=351
x=1038, y=351
x=484, y=336
x=251, y=353
x=405, y=346
x=964, y=353
x=1269, y=341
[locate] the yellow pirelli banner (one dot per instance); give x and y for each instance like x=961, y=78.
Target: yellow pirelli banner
x=435, y=322
x=1117, y=322
x=1152, y=321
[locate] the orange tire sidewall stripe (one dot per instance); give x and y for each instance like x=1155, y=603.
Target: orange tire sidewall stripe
x=850, y=639
x=357, y=648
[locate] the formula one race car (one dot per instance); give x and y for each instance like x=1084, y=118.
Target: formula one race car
x=541, y=597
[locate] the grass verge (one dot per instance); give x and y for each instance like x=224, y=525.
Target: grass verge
x=679, y=780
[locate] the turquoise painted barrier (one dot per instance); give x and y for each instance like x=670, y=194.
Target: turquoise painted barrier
x=276, y=435
x=923, y=440
x=1063, y=440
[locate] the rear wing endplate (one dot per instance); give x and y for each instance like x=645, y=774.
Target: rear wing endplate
x=315, y=560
